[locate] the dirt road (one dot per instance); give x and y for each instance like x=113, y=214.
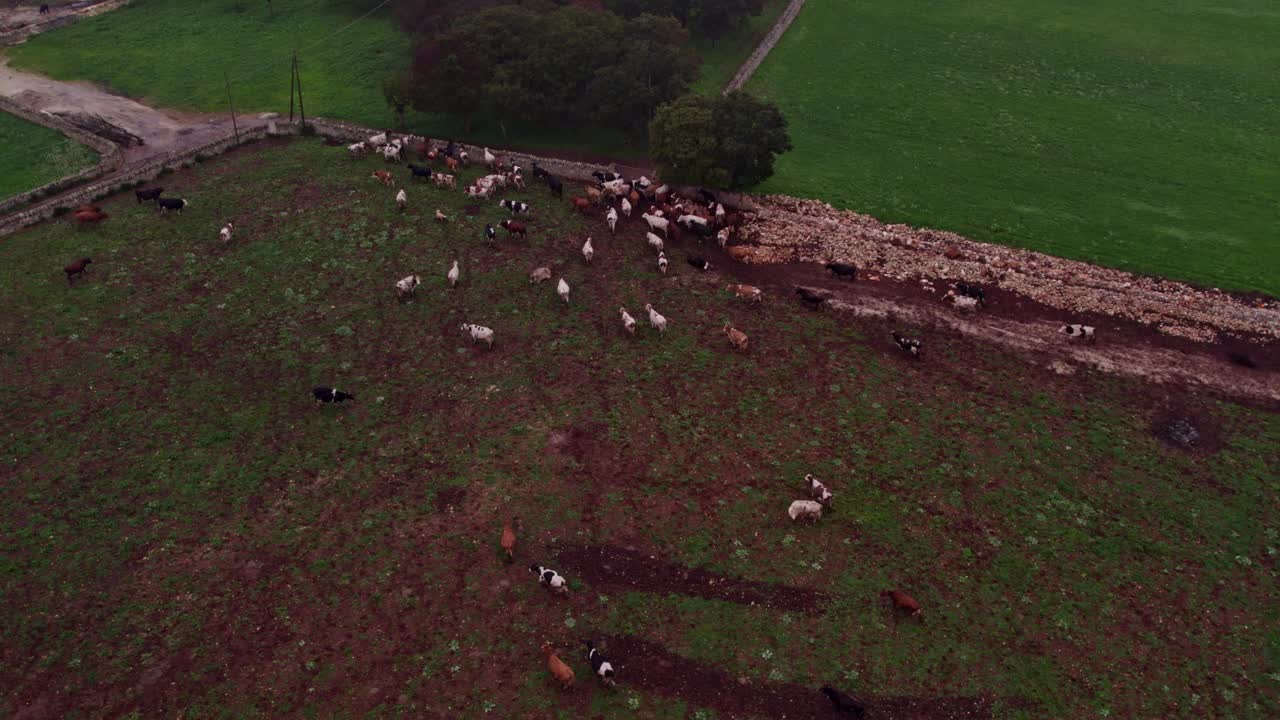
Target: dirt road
x=162, y=131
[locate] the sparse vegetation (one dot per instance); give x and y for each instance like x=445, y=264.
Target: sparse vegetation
x=32, y=155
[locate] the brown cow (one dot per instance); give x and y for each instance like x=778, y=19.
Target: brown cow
x=514, y=228
x=76, y=268
x=582, y=204
x=383, y=176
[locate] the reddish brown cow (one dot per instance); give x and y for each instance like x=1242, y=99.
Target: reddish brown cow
x=383, y=176
x=582, y=204
x=514, y=228
x=902, y=601
x=76, y=268
x=91, y=216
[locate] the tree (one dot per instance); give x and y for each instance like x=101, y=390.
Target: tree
x=397, y=90
x=705, y=18
x=543, y=64
x=728, y=142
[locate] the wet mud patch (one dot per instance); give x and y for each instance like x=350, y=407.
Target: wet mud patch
x=616, y=568
x=646, y=665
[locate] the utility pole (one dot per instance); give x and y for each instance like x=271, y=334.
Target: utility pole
x=293, y=69
x=302, y=109
x=235, y=128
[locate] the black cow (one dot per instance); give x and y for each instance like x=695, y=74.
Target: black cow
x=554, y=185
x=843, y=270
x=489, y=233
x=331, y=395
x=699, y=262
x=812, y=299
x=843, y=702
x=150, y=194
x=419, y=171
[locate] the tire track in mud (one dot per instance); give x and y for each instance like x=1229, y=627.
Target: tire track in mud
x=649, y=666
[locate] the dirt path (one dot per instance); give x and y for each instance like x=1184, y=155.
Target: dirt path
x=762, y=50
x=162, y=131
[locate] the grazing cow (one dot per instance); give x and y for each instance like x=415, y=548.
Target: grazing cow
x=655, y=319
x=89, y=216
x=149, y=195
x=489, y=233
x=554, y=185
x=479, y=333
x=391, y=153
x=720, y=215
x=611, y=218
x=843, y=702
x=737, y=338
x=541, y=274
x=657, y=223
x=444, y=180
x=583, y=205
x=599, y=665
x=225, y=233
x=819, y=491
x=1079, y=332
x=626, y=208
x=912, y=347
x=168, y=204
x=562, y=289
x=514, y=228
x=44, y=9
x=746, y=292
x=655, y=242
x=628, y=322
x=355, y=150
x=406, y=286
x=662, y=262
x=489, y=158
x=605, y=176
x=420, y=172
x=842, y=270
x=616, y=187
x=465, y=157
x=382, y=176
x=402, y=199
x=516, y=208
x=441, y=217
x=812, y=299
x=698, y=225
x=594, y=195
x=708, y=198
x=805, y=510
x=76, y=268
x=557, y=667
x=454, y=273
x=550, y=579
x=699, y=262
x=722, y=237
x=378, y=140
x=453, y=164
x=588, y=251
x=902, y=601
x=331, y=395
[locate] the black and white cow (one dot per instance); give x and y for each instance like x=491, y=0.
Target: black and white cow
x=1079, y=332
x=908, y=345
x=172, y=204
x=974, y=291
x=605, y=176
x=599, y=665
x=516, y=207
x=550, y=579
x=490, y=234
x=699, y=262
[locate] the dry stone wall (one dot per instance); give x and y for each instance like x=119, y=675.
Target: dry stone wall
x=109, y=159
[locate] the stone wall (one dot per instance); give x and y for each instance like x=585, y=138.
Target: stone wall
x=131, y=176
x=109, y=159
x=61, y=17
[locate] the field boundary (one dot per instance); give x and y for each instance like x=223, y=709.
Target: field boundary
x=766, y=45
x=109, y=155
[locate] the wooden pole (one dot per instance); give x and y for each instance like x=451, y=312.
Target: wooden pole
x=292, y=69
x=235, y=128
x=302, y=109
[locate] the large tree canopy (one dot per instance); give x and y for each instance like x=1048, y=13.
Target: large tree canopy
x=705, y=18
x=542, y=65
x=727, y=142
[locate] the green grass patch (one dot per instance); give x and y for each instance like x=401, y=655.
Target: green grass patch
x=33, y=155
x=1140, y=136
x=722, y=58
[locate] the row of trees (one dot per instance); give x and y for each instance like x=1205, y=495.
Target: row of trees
x=711, y=19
